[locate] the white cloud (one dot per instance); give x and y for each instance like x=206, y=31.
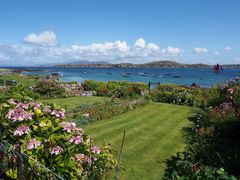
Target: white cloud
x=40, y=49
x=46, y=38
x=227, y=49
x=200, y=50
x=140, y=43
x=153, y=47
x=3, y=57
x=172, y=51
x=216, y=52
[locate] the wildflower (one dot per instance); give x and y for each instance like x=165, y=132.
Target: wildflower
x=195, y=167
x=56, y=150
x=21, y=130
x=68, y=126
x=230, y=90
x=33, y=144
x=95, y=150
x=76, y=139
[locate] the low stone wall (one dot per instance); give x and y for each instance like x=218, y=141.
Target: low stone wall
x=77, y=89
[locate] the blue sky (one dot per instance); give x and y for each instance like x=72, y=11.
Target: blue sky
x=189, y=31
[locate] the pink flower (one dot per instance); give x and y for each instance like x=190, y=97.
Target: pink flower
x=47, y=109
x=56, y=150
x=231, y=91
x=58, y=114
x=22, y=105
x=78, y=130
x=91, y=160
x=33, y=144
x=19, y=114
x=68, y=126
x=76, y=139
x=95, y=150
x=21, y=130
x=80, y=158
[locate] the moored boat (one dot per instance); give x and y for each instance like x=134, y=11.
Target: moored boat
x=143, y=74
x=126, y=74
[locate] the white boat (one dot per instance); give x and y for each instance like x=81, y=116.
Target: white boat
x=143, y=74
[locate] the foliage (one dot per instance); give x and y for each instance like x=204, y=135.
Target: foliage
x=181, y=95
x=117, y=89
x=179, y=167
x=49, y=88
x=214, y=141
x=42, y=133
x=18, y=92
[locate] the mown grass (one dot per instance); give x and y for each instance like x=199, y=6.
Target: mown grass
x=71, y=103
x=20, y=79
x=153, y=134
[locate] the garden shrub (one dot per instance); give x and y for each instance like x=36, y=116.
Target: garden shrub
x=181, y=95
x=43, y=133
x=214, y=143
x=105, y=110
x=117, y=89
x=18, y=92
x=49, y=88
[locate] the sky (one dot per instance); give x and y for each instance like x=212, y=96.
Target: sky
x=35, y=32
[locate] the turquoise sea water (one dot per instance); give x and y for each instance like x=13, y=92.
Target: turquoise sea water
x=205, y=77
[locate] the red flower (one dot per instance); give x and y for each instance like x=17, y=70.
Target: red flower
x=195, y=167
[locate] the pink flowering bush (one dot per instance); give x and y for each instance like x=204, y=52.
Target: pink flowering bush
x=43, y=133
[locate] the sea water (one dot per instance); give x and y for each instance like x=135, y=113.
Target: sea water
x=205, y=77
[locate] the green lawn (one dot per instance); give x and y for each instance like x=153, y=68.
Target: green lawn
x=153, y=134
x=72, y=102
x=21, y=79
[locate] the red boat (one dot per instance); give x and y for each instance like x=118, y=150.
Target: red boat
x=217, y=68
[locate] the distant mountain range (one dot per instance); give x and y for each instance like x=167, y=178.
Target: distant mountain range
x=162, y=64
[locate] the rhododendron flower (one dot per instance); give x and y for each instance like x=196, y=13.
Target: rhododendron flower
x=19, y=114
x=231, y=91
x=68, y=126
x=95, y=150
x=76, y=139
x=58, y=114
x=80, y=158
x=56, y=150
x=33, y=144
x=21, y=130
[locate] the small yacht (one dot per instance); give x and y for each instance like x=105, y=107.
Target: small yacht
x=126, y=74
x=157, y=76
x=143, y=74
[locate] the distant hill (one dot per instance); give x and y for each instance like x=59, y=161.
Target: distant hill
x=89, y=62
x=162, y=64
x=169, y=64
